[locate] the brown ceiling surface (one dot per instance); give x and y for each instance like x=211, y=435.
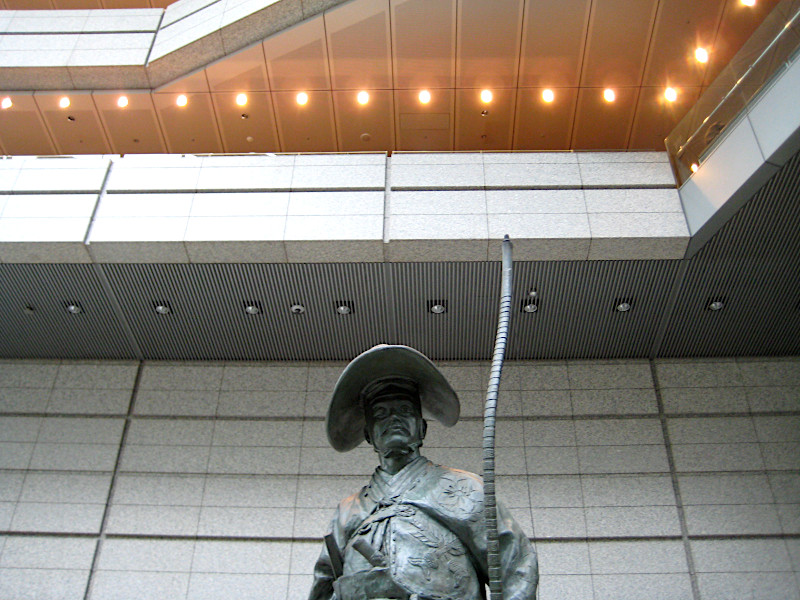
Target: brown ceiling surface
x=395, y=48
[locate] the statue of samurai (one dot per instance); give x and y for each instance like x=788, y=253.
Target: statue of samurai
x=416, y=530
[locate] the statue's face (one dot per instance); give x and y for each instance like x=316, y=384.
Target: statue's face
x=394, y=422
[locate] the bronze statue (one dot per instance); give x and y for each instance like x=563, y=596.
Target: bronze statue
x=416, y=530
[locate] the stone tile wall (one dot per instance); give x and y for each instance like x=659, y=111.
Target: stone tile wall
x=634, y=479
x=340, y=207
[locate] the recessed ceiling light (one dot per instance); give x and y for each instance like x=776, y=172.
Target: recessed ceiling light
x=530, y=307
x=241, y=99
x=122, y=101
x=701, y=55
x=29, y=309
x=6, y=103
x=162, y=308
x=344, y=307
x=64, y=102
x=694, y=167
x=437, y=307
x=548, y=96
x=486, y=96
x=181, y=100
x=671, y=94
x=609, y=95
x=362, y=97
x=623, y=305
x=252, y=307
x=297, y=309
x=716, y=305
x=302, y=98
x=749, y=2
x=74, y=308
x=424, y=96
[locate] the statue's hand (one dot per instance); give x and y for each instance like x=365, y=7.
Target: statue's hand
x=375, y=583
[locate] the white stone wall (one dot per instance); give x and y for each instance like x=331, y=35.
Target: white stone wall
x=668, y=480
x=340, y=207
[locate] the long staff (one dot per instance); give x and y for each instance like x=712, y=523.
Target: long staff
x=490, y=499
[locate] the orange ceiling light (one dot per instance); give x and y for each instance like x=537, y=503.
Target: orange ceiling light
x=486, y=96
x=701, y=55
x=363, y=97
x=122, y=101
x=671, y=94
x=548, y=95
x=609, y=95
x=302, y=98
x=182, y=100
x=749, y=2
x=241, y=99
x=424, y=96
x=64, y=102
x=6, y=103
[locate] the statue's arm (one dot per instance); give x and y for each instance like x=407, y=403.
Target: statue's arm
x=520, y=567
x=322, y=587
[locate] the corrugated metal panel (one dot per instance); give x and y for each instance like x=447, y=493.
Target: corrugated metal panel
x=471, y=292
x=753, y=264
x=35, y=323
x=576, y=315
x=208, y=318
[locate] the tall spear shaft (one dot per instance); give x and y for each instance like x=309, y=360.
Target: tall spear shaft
x=490, y=498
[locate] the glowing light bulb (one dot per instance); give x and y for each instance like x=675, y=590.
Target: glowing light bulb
x=424, y=96
x=122, y=101
x=548, y=96
x=6, y=103
x=486, y=96
x=609, y=95
x=182, y=100
x=302, y=98
x=362, y=97
x=701, y=54
x=694, y=167
x=241, y=99
x=64, y=102
x=671, y=94
x=749, y=2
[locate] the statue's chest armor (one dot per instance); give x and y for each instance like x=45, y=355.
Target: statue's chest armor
x=425, y=557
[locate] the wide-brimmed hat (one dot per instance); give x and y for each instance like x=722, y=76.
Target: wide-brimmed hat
x=345, y=421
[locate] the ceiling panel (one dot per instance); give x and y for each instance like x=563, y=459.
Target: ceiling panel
x=248, y=128
x=191, y=128
x=308, y=128
x=75, y=129
x=194, y=82
x=541, y=125
x=600, y=124
x=358, y=44
x=35, y=323
x=297, y=58
x=76, y=4
x=619, y=34
x=28, y=4
x=133, y=129
x=423, y=43
x=22, y=129
x=681, y=27
x=737, y=25
x=488, y=43
x=656, y=117
x=553, y=38
x=424, y=126
x=364, y=127
x=243, y=71
x=490, y=131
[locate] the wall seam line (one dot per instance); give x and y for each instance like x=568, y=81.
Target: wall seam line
x=675, y=485
x=112, y=484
